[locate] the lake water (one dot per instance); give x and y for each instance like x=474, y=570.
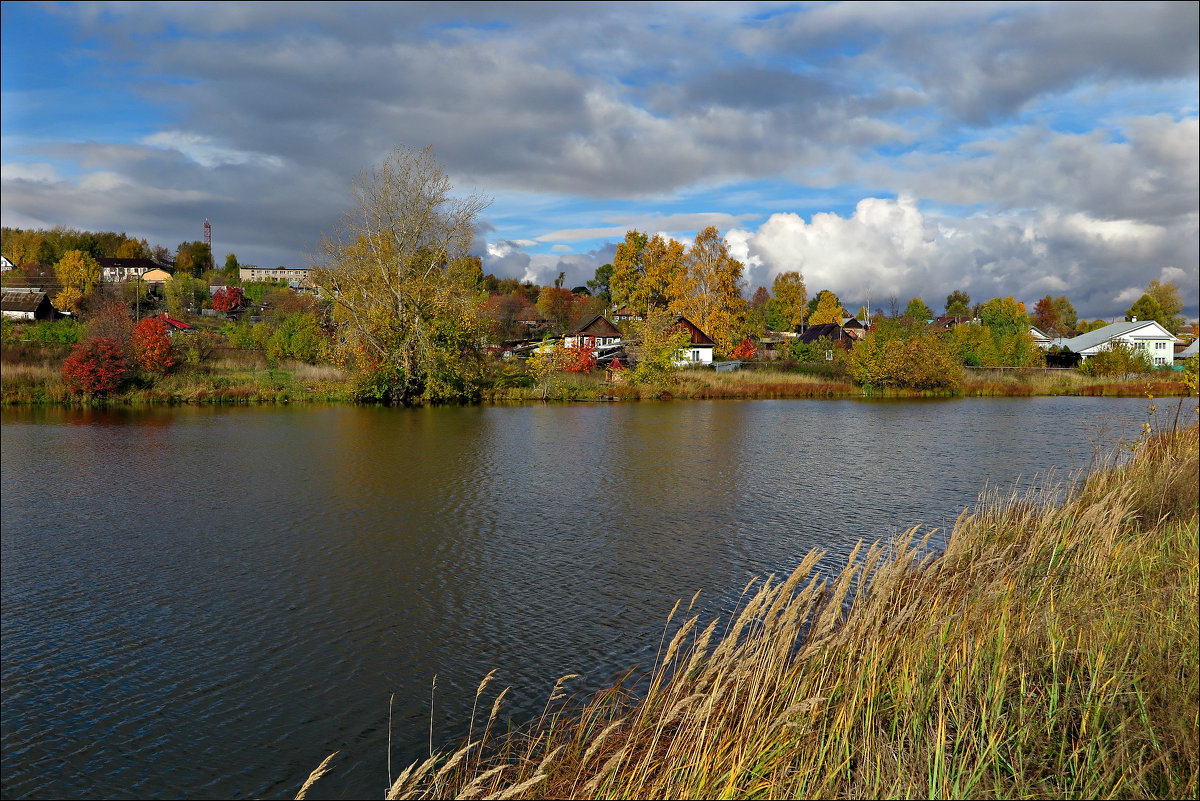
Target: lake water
x=204, y=603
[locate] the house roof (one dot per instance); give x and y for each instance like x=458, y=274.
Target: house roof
x=176, y=324
x=832, y=331
x=22, y=301
x=946, y=322
x=1189, y=351
x=129, y=264
x=1092, y=339
x=595, y=325
x=698, y=337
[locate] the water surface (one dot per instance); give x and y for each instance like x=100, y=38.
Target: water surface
x=204, y=603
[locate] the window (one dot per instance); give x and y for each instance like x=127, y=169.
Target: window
x=1160, y=345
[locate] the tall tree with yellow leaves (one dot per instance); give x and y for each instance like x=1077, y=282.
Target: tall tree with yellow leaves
x=628, y=269
x=79, y=274
x=708, y=290
x=790, y=296
x=829, y=309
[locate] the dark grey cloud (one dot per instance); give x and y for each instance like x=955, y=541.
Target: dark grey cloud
x=269, y=110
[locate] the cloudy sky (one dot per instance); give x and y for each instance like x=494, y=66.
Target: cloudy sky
x=895, y=150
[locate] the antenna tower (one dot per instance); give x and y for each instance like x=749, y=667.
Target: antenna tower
x=207, y=233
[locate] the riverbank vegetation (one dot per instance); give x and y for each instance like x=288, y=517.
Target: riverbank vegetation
x=399, y=311
x=1052, y=651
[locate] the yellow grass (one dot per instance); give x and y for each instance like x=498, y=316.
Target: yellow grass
x=1050, y=652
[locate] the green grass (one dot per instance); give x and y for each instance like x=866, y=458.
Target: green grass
x=1050, y=652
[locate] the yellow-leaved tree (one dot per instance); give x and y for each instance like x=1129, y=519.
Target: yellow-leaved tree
x=79, y=274
x=396, y=271
x=828, y=310
x=790, y=297
x=628, y=269
x=708, y=290
x=644, y=271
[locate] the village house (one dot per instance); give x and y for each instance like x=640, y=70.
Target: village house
x=625, y=315
x=117, y=270
x=1147, y=336
x=699, y=349
x=28, y=305
x=594, y=331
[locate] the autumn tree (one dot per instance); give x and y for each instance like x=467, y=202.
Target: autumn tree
x=628, y=268
x=654, y=344
x=1160, y=303
x=958, y=304
x=580, y=359
x=1055, y=316
x=645, y=271
x=228, y=298
x=408, y=318
x=895, y=354
x=790, y=297
x=79, y=274
x=708, y=290
x=96, y=366
x=1008, y=324
x=917, y=310
x=828, y=309
x=297, y=336
x=20, y=245
x=152, y=346
x=556, y=304
x=184, y=292
x=133, y=249
x=194, y=258
x=232, y=268
x=745, y=351
x=1119, y=358
x=107, y=315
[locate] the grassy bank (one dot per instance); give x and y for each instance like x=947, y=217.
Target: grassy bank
x=1050, y=652
x=221, y=381
x=769, y=381
x=33, y=377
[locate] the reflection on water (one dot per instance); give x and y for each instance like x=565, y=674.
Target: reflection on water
x=205, y=603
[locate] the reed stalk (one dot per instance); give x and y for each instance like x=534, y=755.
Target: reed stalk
x=1051, y=651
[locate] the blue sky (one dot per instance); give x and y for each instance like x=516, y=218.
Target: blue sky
x=889, y=150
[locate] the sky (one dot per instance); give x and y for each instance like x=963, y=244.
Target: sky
x=884, y=150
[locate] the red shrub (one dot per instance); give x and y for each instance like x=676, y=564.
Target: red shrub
x=96, y=365
x=581, y=359
x=228, y=299
x=152, y=346
x=745, y=351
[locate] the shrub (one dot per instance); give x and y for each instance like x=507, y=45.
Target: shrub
x=1119, y=358
x=228, y=298
x=894, y=356
x=581, y=359
x=298, y=336
x=96, y=366
x=152, y=346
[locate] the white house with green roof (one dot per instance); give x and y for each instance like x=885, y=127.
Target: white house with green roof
x=1147, y=336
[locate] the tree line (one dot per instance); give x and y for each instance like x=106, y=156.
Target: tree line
x=405, y=306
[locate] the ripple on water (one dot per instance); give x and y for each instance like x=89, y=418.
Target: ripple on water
x=218, y=633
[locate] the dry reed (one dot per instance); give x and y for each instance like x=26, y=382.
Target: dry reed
x=1051, y=651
